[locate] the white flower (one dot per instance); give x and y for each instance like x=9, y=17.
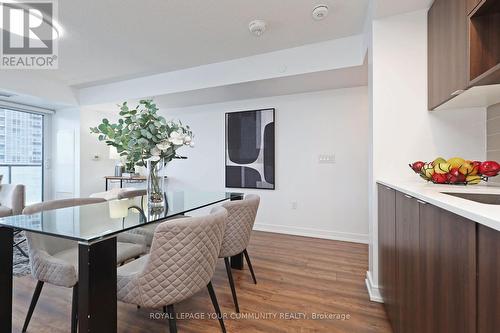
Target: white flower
x=155, y=151
x=187, y=139
x=177, y=138
x=164, y=145
x=154, y=158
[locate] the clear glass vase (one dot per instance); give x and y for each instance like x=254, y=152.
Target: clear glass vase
x=156, y=185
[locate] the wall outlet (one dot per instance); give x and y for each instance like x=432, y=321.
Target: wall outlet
x=326, y=158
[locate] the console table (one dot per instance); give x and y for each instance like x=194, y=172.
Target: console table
x=134, y=179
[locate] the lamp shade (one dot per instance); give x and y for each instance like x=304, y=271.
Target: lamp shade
x=113, y=153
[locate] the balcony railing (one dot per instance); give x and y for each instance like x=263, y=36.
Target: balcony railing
x=30, y=175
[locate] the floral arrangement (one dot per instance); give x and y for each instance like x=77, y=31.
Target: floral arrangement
x=141, y=135
x=456, y=171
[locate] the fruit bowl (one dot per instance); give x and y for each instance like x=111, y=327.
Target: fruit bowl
x=456, y=171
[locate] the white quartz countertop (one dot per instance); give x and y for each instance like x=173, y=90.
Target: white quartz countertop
x=485, y=214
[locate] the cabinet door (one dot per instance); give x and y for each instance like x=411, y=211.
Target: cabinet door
x=407, y=272
x=387, y=250
x=488, y=286
x=447, y=270
x=471, y=4
x=447, y=50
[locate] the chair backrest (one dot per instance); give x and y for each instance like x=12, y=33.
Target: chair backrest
x=182, y=260
x=240, y=220
x=131, y=194
x=60, y=203
x=13, y=196
x=51, y=244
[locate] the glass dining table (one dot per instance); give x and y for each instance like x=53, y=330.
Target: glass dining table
x=95, y=227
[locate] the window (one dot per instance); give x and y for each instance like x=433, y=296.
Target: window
x=21, y=151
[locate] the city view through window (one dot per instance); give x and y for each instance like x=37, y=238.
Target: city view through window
x=21, y=151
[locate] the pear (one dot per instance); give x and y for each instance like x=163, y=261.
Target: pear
x=456, y=162
x=442, y=168
x=438, y=160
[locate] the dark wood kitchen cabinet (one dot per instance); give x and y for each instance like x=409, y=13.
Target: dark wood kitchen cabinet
x=407, y=244
x=447, y=271
x=488, y=285
x=471, y=4
x=428, y=279
x=447, y=51
x=387, y=250
x=463, y=50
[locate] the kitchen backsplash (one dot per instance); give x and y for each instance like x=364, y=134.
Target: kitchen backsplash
x=493, y=139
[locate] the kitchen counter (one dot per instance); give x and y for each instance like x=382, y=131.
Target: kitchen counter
x=485, y=214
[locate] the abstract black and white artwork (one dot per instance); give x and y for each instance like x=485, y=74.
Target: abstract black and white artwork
x=250, y=149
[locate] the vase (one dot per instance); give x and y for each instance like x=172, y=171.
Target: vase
x=156, y=190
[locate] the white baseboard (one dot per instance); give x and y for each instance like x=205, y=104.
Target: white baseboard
x=373, y=290
x=310, y=232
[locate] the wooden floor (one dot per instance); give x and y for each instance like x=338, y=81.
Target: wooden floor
x=295, y=275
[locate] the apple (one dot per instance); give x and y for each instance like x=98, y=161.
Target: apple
x=466, y=168
x=417, y=166
x=475, y=168
x=439, y=178
x=454, y=176
x=489, y=168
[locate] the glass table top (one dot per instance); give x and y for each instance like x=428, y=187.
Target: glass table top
x=90, y=223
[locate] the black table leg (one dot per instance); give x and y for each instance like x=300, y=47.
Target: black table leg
x=6, y=261
x=237, y=260
x=97, y=287
x=106, y=187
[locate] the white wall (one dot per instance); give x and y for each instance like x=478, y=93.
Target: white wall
x=93, y=171
x=331, y=198
x=403, y=130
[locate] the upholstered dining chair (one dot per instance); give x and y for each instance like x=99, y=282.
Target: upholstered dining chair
x=12, y=200
x=55, y=260
x=240, y=221
x=181, y=262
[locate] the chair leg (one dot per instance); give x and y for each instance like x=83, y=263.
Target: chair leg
x=172, y=322
x=231, y=284
x=213, y=297
x=247, y=257
x=20, y=249
x=74, y=310
x=34, y=300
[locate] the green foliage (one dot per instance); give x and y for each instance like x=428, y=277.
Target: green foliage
x=141, y=134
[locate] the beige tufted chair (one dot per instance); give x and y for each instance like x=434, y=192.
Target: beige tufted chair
x=11, y=199
x=240, y=221
x=55, y=260
x=181, y=262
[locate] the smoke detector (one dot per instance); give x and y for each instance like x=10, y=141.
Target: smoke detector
x=257, y=27
x=320, y=12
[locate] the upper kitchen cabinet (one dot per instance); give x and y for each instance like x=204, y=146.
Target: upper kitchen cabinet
x=484, y=34
x=471, y=4
x=447, y=50
x=463, y=53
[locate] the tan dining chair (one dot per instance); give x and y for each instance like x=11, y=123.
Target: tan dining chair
x=181, y=263
x=240, y=221
x=54, y=260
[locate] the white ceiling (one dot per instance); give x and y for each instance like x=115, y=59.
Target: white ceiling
x=384, y=8
x=109, y=40
x=333, y=79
